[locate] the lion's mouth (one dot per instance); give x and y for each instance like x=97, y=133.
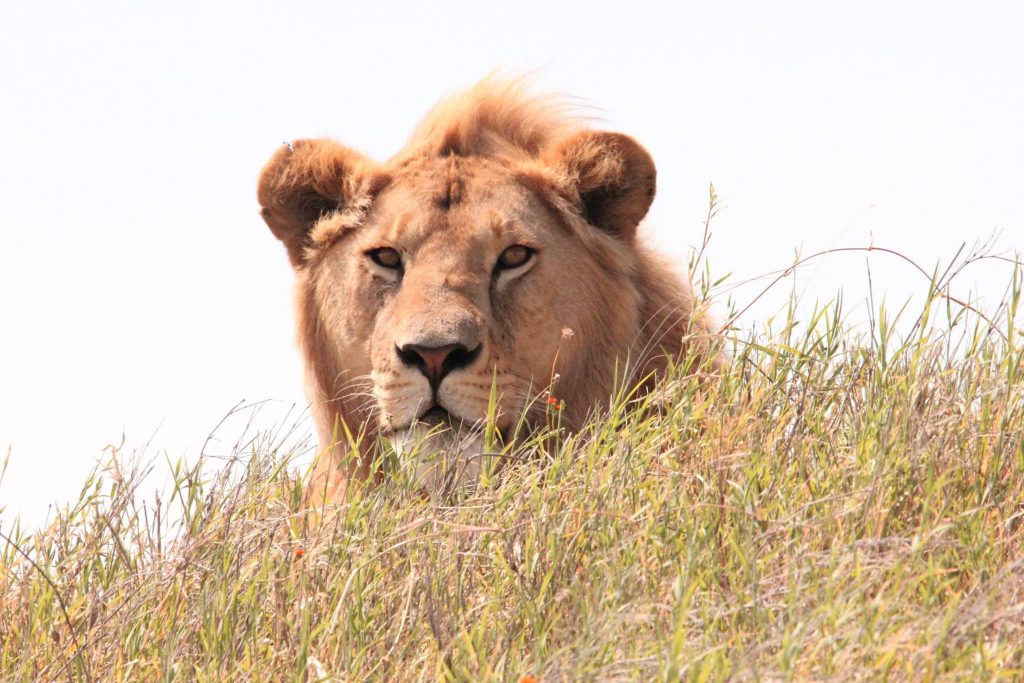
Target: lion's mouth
x=438, y=419
x=445, y=450
x=436, y=415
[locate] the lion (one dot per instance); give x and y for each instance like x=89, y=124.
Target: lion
x=495, y=255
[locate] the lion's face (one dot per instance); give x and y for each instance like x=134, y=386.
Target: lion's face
x=494, y=256
x=460, y=281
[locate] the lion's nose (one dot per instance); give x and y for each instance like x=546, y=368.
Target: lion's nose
x=437, y=361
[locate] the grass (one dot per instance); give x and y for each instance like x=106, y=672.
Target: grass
x=838, y=505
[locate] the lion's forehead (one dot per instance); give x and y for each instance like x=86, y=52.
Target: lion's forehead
x=462, y=197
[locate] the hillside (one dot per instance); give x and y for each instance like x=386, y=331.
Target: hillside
x=838, y=505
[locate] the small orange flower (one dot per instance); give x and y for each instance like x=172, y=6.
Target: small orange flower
x=299, y=552
x=552, y=401
x=529, y=678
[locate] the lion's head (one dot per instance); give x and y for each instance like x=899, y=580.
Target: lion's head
x=496, y=253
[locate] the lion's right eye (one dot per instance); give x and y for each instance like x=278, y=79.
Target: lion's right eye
x=386, y=257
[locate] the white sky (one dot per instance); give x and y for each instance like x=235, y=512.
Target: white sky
x=141, y=292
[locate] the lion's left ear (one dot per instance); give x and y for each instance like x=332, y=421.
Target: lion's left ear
x=613, y=175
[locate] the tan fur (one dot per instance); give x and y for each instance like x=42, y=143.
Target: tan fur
x=487, y=169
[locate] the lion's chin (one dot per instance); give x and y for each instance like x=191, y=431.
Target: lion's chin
x=446, y=456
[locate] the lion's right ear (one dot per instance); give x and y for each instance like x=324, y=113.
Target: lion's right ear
x=302, y=182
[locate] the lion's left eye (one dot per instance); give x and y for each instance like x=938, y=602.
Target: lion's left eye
x=513, y=257
x=386, y=257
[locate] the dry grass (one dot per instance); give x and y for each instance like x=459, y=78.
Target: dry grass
x=836, y=506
